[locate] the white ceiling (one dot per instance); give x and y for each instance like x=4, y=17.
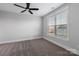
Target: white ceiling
x=44, y=8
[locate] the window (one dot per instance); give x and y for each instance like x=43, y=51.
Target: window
x=51, y=25
x=57, y=25
x=61, y=24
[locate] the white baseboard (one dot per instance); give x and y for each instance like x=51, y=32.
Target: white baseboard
x=75, y=51
x=21, y=39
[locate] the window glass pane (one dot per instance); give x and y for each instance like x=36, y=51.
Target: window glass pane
x=61, y=18
x=51, y=21
x=51, y=25
x=61, y=30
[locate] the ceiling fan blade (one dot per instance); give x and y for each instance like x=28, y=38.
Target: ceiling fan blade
x=30, y=12
x=34, y=9
x=28, y=5
x=19, y=6
x=23, y=11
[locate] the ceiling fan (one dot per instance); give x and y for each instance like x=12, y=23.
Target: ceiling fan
x=27, y=7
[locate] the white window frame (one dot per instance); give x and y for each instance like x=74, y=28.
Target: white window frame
x=54, y=15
